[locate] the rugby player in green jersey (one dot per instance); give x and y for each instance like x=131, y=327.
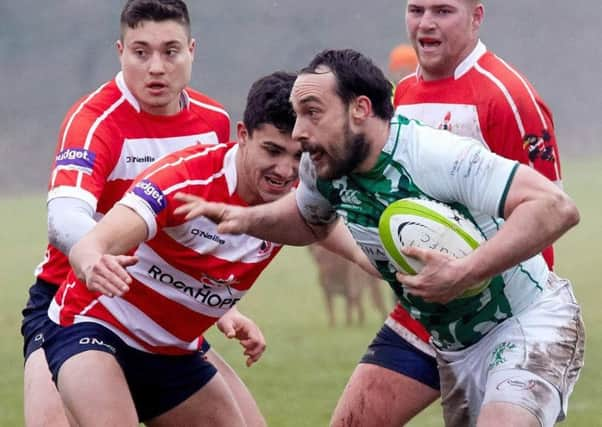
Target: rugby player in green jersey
x=359, y=160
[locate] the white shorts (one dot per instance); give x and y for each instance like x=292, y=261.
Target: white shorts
x=532, y=360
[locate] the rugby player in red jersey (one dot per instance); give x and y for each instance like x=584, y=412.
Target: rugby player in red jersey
x=105, y=140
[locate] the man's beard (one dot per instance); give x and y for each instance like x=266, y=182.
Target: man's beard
x=355, y=150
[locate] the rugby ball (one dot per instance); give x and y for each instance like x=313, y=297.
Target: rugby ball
x=430, y=225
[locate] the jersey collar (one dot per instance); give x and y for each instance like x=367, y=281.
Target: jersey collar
x=129, y=96
x=470, y=60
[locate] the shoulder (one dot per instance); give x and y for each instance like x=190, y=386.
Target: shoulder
x=513, y=94
x=92, y=114
x=203, y=104
x=102, y=101
x=508, y=82
x=403, y=86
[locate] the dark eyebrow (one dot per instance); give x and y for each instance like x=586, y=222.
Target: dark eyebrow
x=271, y=144
x=168, y=43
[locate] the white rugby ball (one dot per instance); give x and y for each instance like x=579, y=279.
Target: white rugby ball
x=414, y=222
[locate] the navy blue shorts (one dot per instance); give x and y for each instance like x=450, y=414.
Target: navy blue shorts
x=36, y=326
x=391, y=351
x=157, y=382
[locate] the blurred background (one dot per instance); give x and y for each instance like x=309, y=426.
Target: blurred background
x=54, y=52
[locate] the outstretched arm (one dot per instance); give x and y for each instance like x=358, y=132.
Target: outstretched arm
x=98, y=257
x=279, y=221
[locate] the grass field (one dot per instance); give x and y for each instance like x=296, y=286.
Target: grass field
x=302, y=373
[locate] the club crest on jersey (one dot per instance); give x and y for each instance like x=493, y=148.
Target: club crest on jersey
x=265, y=248
x=214, y=282
x=539, y=147
x=151, y=194
x=76, y=158
x=446, y=124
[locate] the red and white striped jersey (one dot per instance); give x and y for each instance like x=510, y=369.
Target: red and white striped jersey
x=105, y=141
x=490, y=101
x=188, y=275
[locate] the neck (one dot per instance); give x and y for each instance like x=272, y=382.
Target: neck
x=242, y=188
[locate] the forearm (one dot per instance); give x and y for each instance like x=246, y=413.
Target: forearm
x=281, y=222
x=340, y=241
x=532, y=226
x=118, y=232
x=84, y=254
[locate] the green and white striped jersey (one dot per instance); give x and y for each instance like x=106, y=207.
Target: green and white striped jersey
x=419, y=161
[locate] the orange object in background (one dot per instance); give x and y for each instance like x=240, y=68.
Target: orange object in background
x=402, y=60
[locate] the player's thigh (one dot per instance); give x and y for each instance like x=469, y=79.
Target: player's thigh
x=242, y=395
x=90, y=380
x=500, y=414
x=379, y=397
x=42, y=404
x=94, y=389
x=211, y=406
x=393, y=382
x=539, y=355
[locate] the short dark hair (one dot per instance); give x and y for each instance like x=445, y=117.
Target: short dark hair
x=356, y=75
x=268, y=102
x=136, y=11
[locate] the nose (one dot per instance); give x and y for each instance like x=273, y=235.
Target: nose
x=426, y=21
x=156, y=65
x=287, y=167
x=300, y=130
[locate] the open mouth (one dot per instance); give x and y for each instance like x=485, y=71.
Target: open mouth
x=156, y=87
x=428, y=43
x=278, y=183
x=316, y=155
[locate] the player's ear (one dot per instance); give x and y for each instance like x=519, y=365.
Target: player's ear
x=119, y=47
x=478, y=13
x=242, y=134
x=192, y=47
x=361, y=109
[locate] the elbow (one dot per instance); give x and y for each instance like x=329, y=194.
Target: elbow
x=54, y=236
x=568, y=212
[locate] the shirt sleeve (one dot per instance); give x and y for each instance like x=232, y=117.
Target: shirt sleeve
x=152, y=192
x=314, y=207
x=69, y=219
x=451, y=169
x=84, y=158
